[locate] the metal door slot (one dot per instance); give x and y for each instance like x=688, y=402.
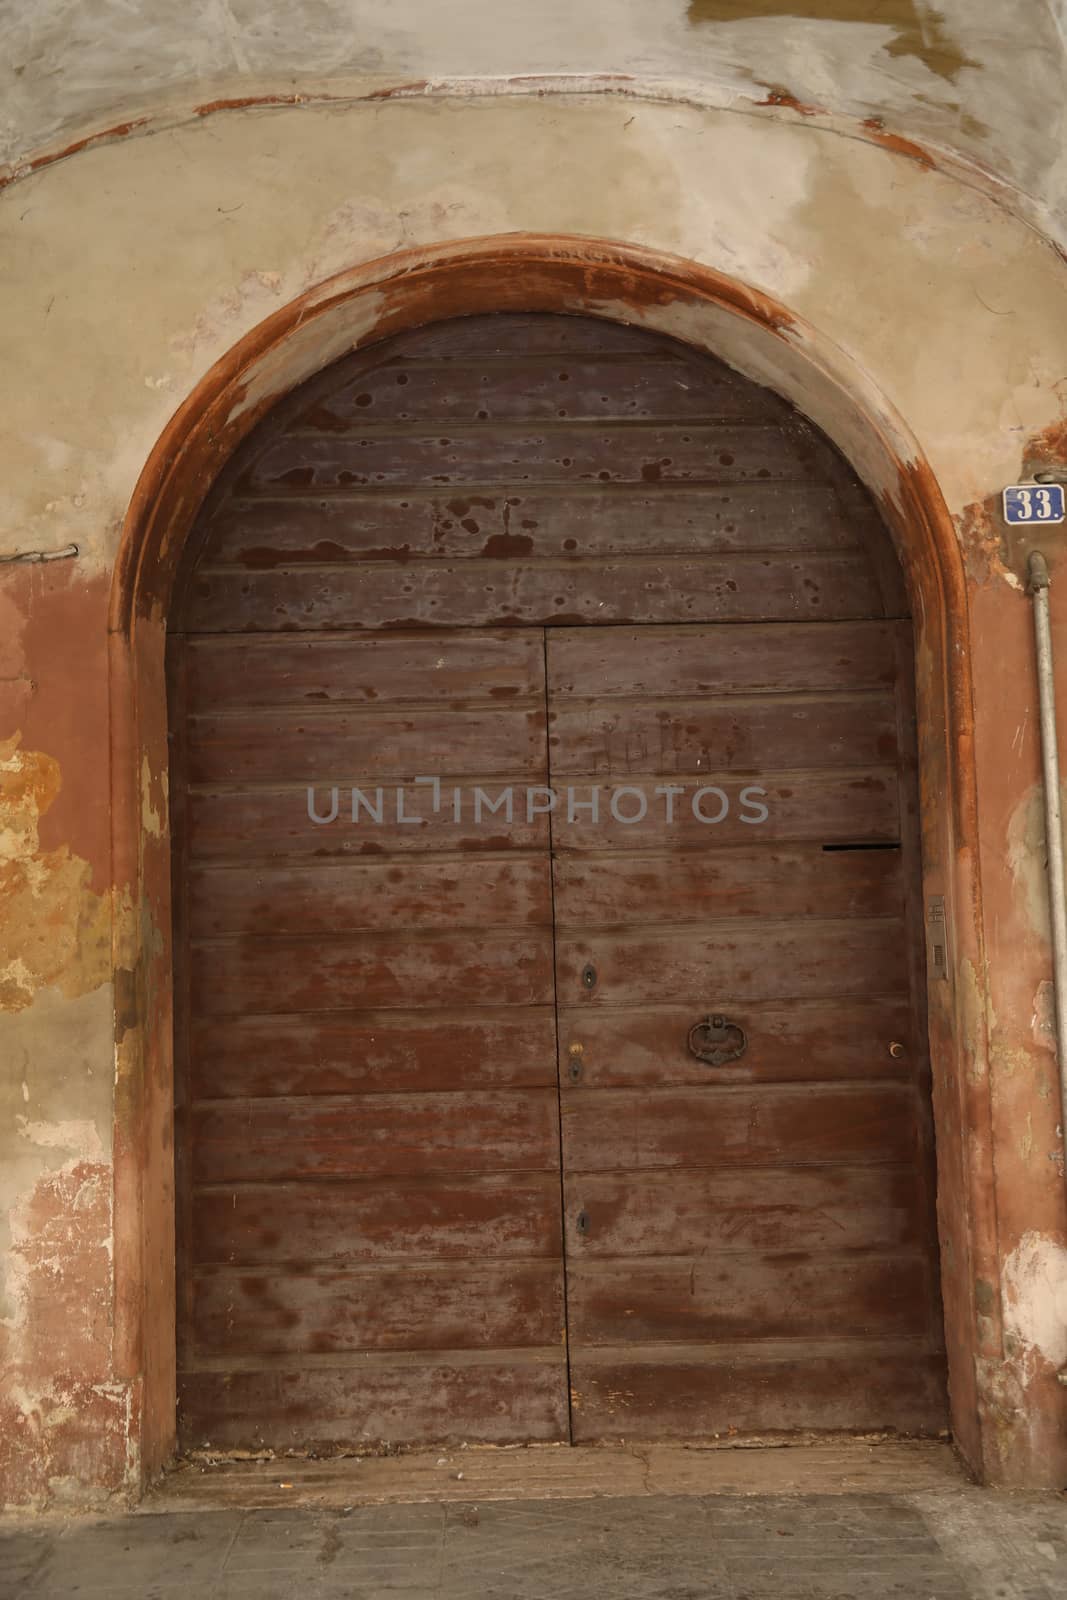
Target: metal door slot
x=864, y=845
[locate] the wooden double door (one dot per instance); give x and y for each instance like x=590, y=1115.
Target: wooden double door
x=550, y=1033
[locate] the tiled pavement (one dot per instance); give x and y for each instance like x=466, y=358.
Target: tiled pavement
x=941, y=1544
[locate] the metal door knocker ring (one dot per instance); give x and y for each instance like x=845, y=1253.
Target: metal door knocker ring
x=716, y=1041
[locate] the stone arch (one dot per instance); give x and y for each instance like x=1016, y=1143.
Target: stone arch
x=762, y=339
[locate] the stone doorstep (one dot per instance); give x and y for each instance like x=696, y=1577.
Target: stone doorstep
x=559, y=1472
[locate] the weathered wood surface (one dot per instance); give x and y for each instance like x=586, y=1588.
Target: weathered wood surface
x=532, y=334
x=229, y=672
x=487, y=594
x=499, y=1216
x=791, y=659
x=292, y=973
x=698, y=1213
x=758, y=880
x=241, y=825
x=528, y=388
x=842, y=806
x=370, y=1069
x=713, y=1125
x=821, y=1041
x=704, y=738
x=752, y=960
x=672, y=1250
x=258, y=1054
x=479, y=1305
x=513, y=1397
x=381, y=896
x=317, y=745
x=776, y=1296
x=374, y=1136
x=788, y=1386
x=544, y=523
x=370, y=1084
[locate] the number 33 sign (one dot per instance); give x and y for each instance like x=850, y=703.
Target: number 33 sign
x=1034, y=502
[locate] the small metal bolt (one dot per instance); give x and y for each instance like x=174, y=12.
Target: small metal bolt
x=896, y=1050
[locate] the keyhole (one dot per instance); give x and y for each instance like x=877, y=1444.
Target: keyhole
x=589, y=975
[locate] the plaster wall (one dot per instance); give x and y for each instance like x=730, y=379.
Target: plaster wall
x=979, y=80
x=132, y=267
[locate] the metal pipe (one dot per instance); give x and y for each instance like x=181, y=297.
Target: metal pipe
x=65, y=554
x=1050, y=760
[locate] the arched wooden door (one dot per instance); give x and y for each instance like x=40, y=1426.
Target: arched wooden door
x=550, y=1043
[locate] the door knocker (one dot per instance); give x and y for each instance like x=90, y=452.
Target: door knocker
x=716, y=1041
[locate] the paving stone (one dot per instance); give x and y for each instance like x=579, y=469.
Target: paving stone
x=963, y=1544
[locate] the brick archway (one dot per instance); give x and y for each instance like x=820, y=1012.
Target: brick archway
x=520, y=273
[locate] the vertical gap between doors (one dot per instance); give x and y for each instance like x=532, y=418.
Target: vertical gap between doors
x=559, y=1079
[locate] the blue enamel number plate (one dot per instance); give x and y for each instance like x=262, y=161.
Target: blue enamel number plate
x=1034, y=502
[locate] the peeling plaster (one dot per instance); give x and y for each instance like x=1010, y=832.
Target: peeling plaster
x=153, y=802
x=980, y=78
x=55, y=1099
x=1035, y=1288
x=53, y=929
x=1027, y=860
x=914, y=29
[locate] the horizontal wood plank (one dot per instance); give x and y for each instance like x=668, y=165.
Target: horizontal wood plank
x=365, y=1136
x=474, y=1305
x=287, y=973
x=762, y=880
x=780, y=1296
x=439, y=1401
x=529, y=388
x=691, y=1213
x=512, y=335
x=362, y=747
x=378, y=896
x=367, y=1052
x=707, y=737
x=542, y=523
x=243, y=825
x=230, y=671
x=341, y=1223
x=605, y=452
x=777, y=658
x=806, y=1041
x=552, y=594
x=525, y=334
x=751, y=960
x=824, y=807
x=628, y=1130
x=861, y=1385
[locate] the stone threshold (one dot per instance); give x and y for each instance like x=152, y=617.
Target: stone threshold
x=560, y=1472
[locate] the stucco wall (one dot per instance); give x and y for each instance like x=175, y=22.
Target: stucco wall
x=134, y=265
x=980, y=81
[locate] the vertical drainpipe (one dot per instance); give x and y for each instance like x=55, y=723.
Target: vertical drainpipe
x=1050, y=761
